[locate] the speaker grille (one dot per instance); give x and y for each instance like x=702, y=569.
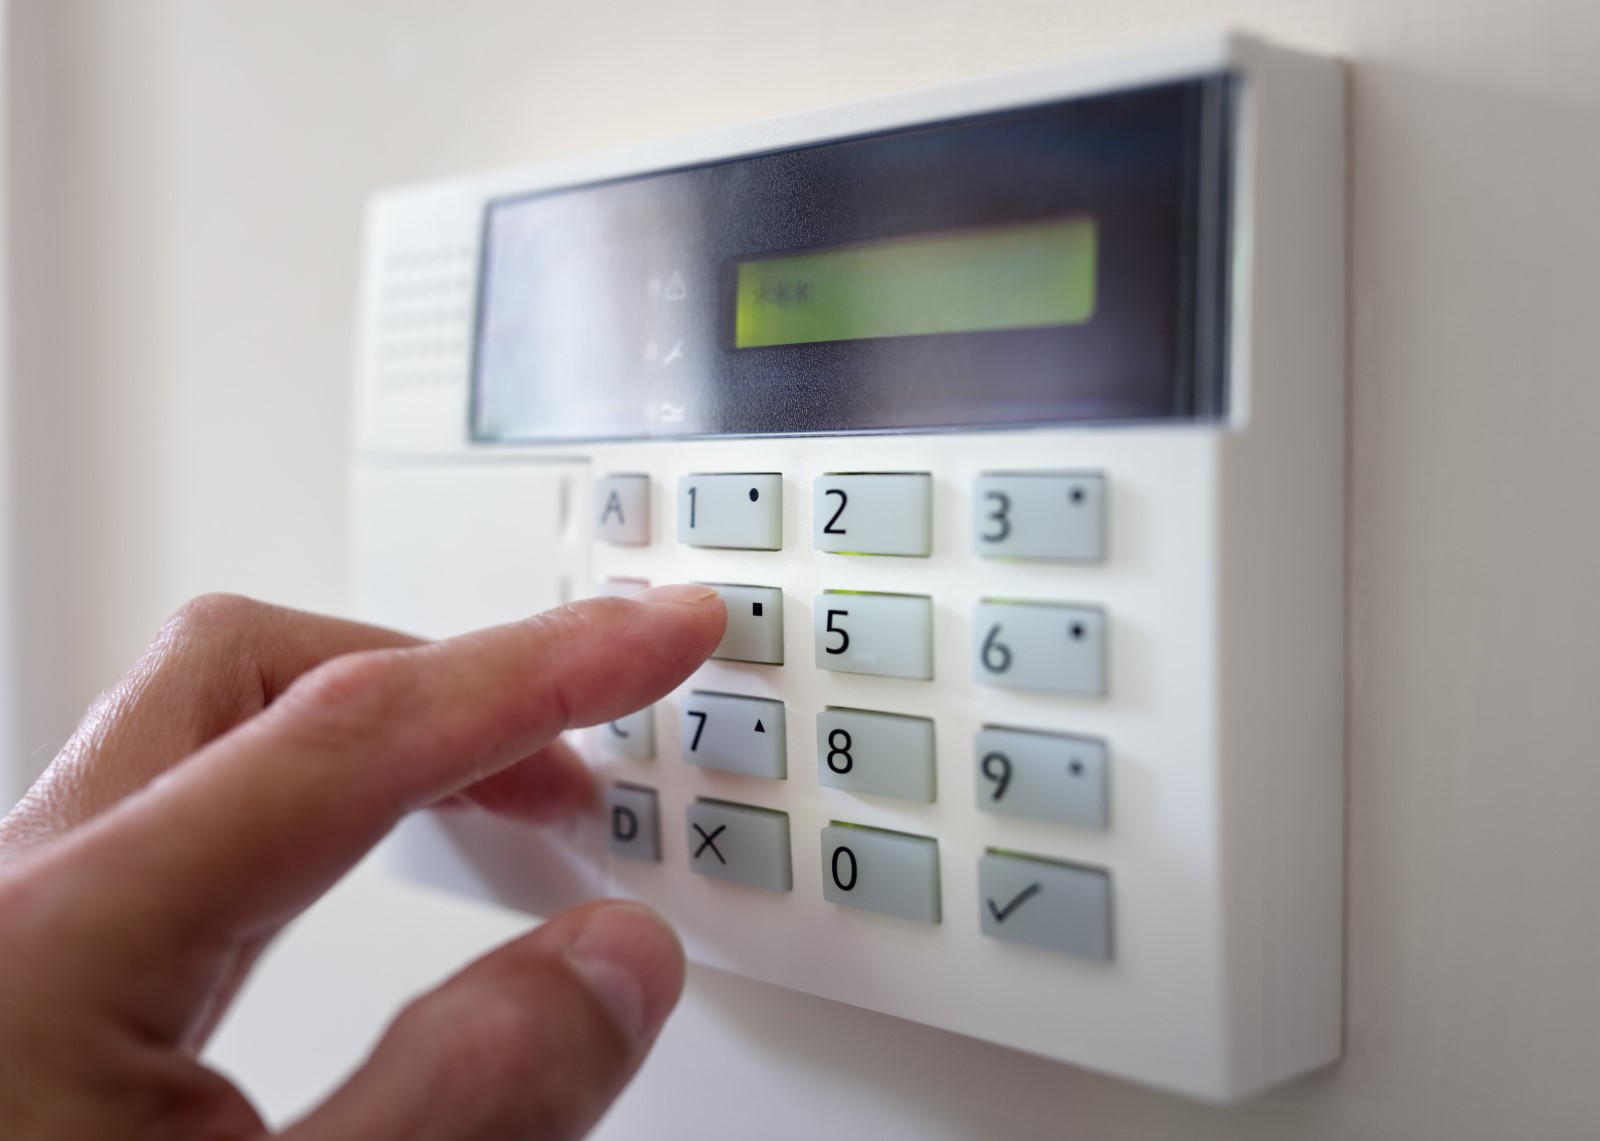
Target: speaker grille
x=423, y=328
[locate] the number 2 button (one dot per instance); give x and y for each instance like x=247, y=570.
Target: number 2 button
x=883, y=513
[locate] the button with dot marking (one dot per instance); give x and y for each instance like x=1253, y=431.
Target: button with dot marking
x=740, y=510
x=755, y=624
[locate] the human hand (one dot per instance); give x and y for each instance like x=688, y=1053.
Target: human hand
x=249, y=760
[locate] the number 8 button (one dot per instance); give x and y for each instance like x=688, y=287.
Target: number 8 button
x=1033, y=645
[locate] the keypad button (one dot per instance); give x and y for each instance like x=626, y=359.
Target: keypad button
x=735, y=734
x=731, y=510
x=631, y=736
x=1040, y=515
x=1031, y=645
x=880, y=754
x=755, y=624
x=634, y=822
x=887, y=513
x=739, y=843
x=892, y=873
x=621, y=587
x=890, y=635
x=622, y=509
x=1060, y=907
x=1044, y=776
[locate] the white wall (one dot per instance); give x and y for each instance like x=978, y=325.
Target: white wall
x=188, y=184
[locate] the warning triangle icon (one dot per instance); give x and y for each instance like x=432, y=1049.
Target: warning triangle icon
x=760, y=728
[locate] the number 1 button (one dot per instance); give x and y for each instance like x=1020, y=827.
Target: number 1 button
x=738, y=510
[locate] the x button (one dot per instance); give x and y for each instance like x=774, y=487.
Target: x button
x=741, y=843
x=709, y=840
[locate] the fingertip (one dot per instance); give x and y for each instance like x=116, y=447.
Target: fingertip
x=676, y=592
x=633, y=963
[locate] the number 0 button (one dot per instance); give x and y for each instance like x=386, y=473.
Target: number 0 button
x=890, y=635
x=892, y=873
x=1032, y=645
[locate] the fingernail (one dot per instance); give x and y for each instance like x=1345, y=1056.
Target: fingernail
x=676, y=592
x=633, y=963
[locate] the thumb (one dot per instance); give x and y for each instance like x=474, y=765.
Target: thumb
x=532, y=1041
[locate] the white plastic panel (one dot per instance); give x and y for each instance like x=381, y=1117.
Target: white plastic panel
x=1222, y=581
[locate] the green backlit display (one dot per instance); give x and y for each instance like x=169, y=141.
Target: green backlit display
x=1017, y=277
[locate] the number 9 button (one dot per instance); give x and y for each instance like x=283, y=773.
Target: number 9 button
x=1045, y=776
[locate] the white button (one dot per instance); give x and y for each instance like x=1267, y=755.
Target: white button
x=892, y=873
x=735, y=734
x=1040, y=515
x=876, y=514
x=1031, y=645
x=731, y=510
x=755, y=624
x=1045, y=776
x=1044, y=903
x=740, y=843
x=631, y=736
x=621, y=587
x=622, y=509
x=890, y=635
x=880, y=754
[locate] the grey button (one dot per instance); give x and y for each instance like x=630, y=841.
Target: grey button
x=1040, y=515
x=735, y=734
x=622, y=509
x=631, y=736
x=1030, y=645
x=633, y=821
x=882, y=754
x=890, y=635
x=878, y=514
x=731, y=510
x=739, y=843
x=755, y=624
x=892, y=873
x=1045, y=776
x=1060, y=907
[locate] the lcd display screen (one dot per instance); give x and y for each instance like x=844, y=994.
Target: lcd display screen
x=1054, y=264
x=1015, y=277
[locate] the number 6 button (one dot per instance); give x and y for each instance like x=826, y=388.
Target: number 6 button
x=1034, y=645
x=890, y=635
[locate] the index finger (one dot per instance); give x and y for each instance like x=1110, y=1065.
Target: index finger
x=255, y=826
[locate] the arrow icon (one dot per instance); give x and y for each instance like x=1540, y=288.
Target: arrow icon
x=760, y=728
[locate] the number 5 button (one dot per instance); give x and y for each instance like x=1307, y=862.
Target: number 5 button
x=890, y=635
x=1033, y=645
x=884, y=513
